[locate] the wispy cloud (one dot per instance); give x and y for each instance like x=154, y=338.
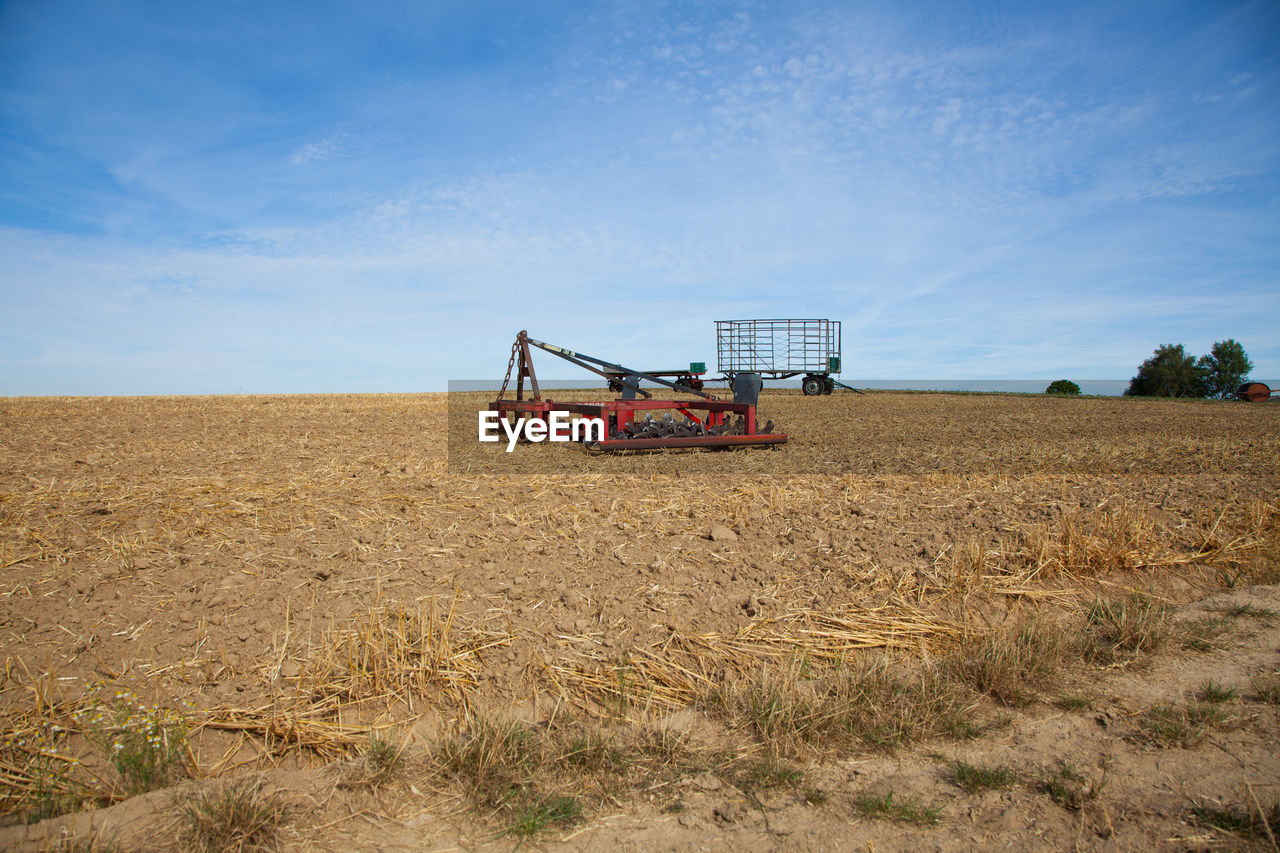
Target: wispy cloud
x=974, y=193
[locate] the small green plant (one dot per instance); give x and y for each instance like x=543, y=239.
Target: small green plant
x=235, y=818
x=1117, y=630
x=143, y=742
x=998, y=723
x=1246, y=822
x=1070, y=788
x=52, y=792
x=1172, y=725
x=1215, y=694
x=1063, y=386
x=529, y=819
x=899, y=811
x=47, y=784
x=978, y=778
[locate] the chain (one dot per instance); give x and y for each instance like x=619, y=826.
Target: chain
x=511, y=363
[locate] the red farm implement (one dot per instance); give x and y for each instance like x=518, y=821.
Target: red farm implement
x=704, y=422
x=1255, y=392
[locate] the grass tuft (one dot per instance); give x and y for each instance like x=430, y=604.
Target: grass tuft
x=978, y=778
x=1073, y=701
x=378, y=760
x=518, y=772
x=899, y=811
x=874, y=705
x=1008, y=664
x=1245, y=822
x=1267, y=689
x=1172, y=725
x=771, y=773
x=1070, y=788
x=492, y=761
x=1264, y=615
x=781, y=714
x=234, y=819
x=879, y=707
x=814, y=795
x=1201, y=635
x=1120, y=630
x=1215, y=693
x=592, y=750
x=554, y=810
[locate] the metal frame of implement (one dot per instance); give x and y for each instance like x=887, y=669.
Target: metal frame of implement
x=1256, y=392
x=618, y=413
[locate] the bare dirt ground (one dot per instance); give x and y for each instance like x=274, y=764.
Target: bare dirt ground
x=680, y=642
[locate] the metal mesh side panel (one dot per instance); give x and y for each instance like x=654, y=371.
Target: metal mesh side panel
x=776, y=345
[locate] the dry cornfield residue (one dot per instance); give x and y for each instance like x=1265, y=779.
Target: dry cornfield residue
x=300, y=572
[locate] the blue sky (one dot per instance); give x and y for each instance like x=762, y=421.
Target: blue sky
x=312, y=197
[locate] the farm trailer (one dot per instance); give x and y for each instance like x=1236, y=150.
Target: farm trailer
x=781, y=349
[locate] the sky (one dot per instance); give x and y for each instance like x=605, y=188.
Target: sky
x=376, y=197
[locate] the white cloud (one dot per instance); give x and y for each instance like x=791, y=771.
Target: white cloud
x=321, y=149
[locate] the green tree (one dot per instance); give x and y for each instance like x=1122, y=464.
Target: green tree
x=1225, y=368
x=1170, y=372
x=1062, y=386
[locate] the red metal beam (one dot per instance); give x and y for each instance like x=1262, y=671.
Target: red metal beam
x=689, y=441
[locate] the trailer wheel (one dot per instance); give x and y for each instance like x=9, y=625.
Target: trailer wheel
x=811, y=386
x=828, y=385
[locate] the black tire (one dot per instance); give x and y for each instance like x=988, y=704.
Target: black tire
x=828, y=385
x=811, y=386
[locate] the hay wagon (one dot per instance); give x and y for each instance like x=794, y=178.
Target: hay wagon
x=782, y=349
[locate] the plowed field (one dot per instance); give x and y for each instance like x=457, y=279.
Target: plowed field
x=288, y=580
